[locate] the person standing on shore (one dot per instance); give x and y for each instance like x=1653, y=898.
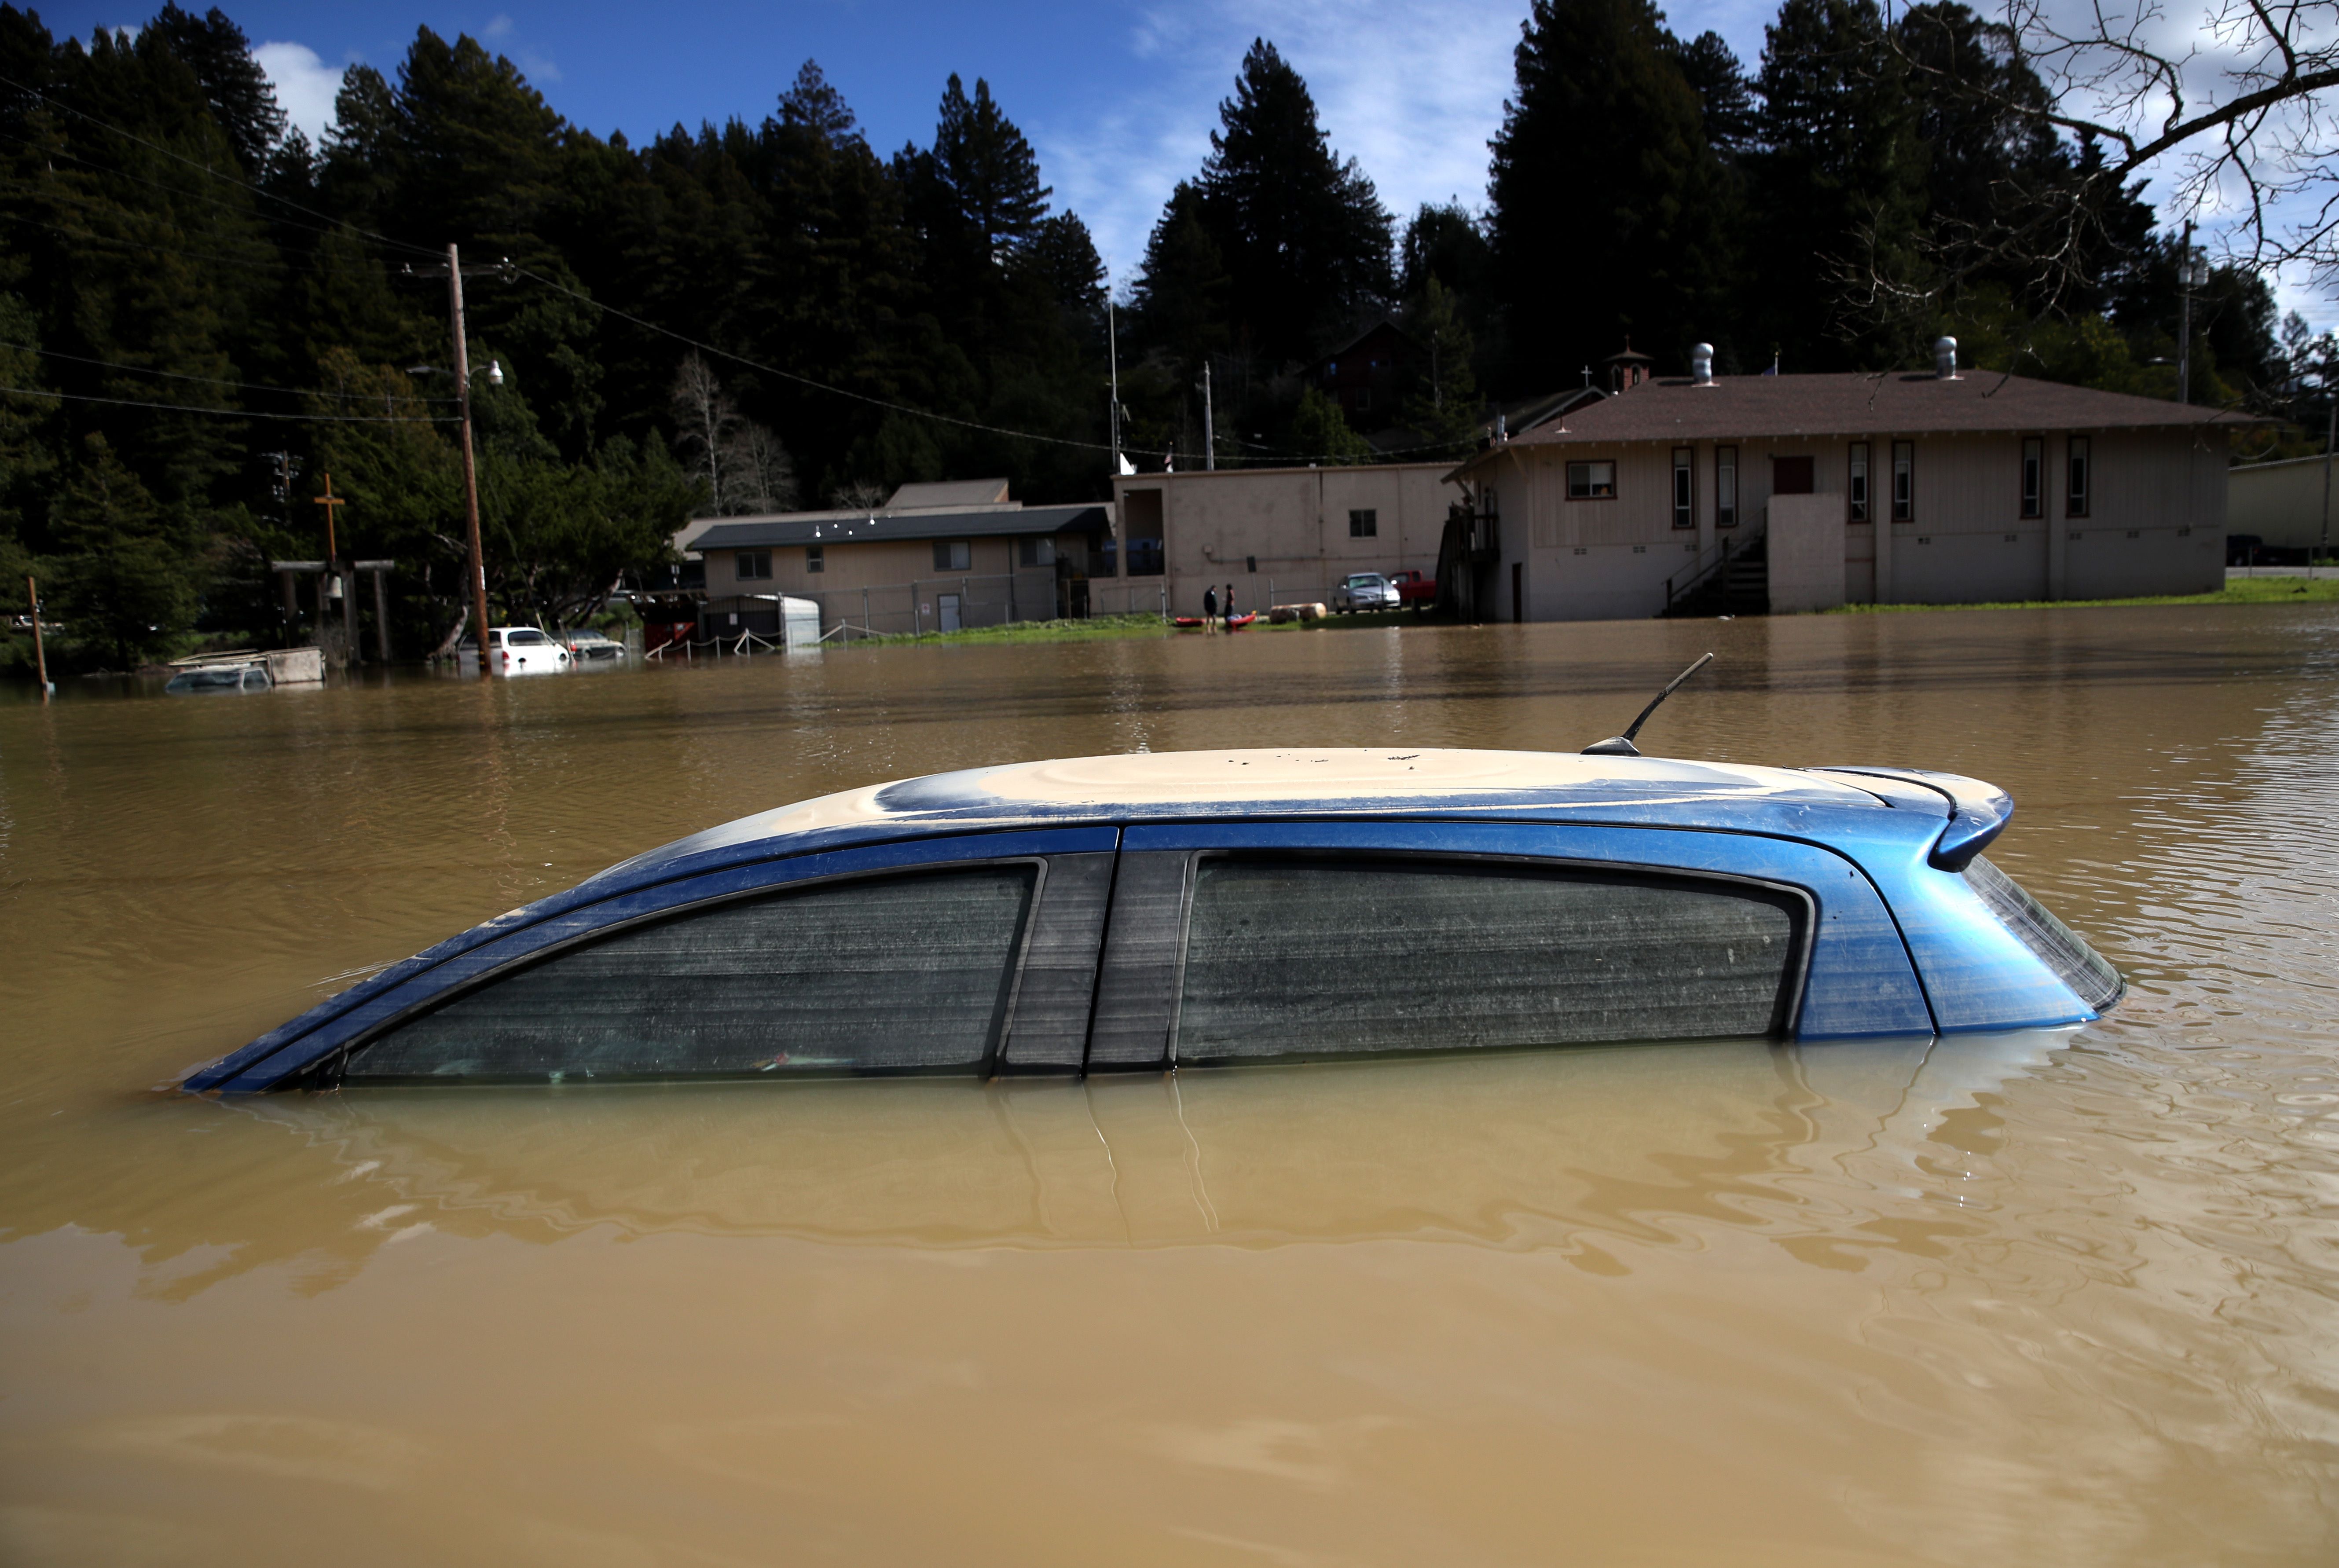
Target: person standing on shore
x=1210, y=611
x=1229, y=607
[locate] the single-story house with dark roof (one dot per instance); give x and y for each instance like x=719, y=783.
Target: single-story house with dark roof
x=1895, y=487
x=934, y=558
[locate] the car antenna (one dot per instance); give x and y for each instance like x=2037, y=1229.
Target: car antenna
x=1622, y=746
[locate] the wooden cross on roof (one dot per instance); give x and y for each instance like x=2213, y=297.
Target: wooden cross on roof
x=329, y=502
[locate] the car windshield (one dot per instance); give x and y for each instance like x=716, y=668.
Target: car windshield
x=204, y=680
x=525, y=638
x=1366, y=581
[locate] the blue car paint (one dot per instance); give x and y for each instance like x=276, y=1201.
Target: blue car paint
x=1875, y=869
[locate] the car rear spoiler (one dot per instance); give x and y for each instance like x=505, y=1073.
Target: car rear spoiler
x=1977, y=811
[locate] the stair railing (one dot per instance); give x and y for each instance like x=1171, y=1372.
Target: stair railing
x=1713, y=558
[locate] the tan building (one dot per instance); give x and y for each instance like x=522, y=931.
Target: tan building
x=1898, y=487
x=2282, y=511
x=1279, y=534
x=934, y=558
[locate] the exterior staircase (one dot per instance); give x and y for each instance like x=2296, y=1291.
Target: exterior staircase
x=1733, y=578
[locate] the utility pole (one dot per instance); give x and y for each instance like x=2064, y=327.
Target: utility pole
x=1209, y=426
x=40, y=655
x=1112, y=359
x=470, y=471
x=2184, y=316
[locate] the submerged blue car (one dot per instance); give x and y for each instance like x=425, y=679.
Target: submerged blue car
x=1160, y=910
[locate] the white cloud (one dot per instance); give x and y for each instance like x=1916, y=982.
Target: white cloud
x=305, y=85
x=500, y=27
x=1411, y=91
x=539, y=69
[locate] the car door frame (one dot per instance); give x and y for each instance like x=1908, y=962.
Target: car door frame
x=1069, y=906
x=1854, y=978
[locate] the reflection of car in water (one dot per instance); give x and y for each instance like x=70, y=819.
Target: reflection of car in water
x=1138, y=914
x=518, y=651
x=251, y=678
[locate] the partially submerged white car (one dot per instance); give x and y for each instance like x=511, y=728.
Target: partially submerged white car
x=519, y=651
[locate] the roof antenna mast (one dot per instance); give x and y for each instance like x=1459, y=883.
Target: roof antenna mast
x=1622, y=746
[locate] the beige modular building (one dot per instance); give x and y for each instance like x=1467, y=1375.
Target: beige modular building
x=2286, y=509
x=934, y=558
x=1278, y=535
x=1897, y=487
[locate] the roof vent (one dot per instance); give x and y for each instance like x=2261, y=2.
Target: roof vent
x=1945, y=359
x=1701, y=364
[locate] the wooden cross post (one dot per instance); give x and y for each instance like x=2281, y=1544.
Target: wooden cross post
x=329, y=502
x=332, y=576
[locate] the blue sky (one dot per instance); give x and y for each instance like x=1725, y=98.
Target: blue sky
x=1119, y=97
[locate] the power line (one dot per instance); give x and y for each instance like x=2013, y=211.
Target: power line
x=102, y=172
x=886, y=404
x=881, y=402
x=230, y=413
x=79, y=237
x=205, y=168
x=209, y=381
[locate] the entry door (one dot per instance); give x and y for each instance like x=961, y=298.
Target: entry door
x=950, y=612
x=1791, y=476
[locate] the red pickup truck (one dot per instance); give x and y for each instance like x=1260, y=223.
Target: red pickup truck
x=1415, y=590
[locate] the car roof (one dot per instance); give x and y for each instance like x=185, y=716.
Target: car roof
x=1282, y=782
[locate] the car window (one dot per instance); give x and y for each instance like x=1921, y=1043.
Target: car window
x=1309, y=956
x=525, y=638
x=2056, y=945
x=906, y=973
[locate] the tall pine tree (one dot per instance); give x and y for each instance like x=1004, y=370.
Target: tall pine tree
x=1839, y=151
x=1302, y=233
x=1604, y=217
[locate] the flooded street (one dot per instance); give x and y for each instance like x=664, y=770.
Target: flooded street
x=2063, y=1299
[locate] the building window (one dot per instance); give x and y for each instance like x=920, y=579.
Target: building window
x=951, y=555
x=1364, y=399
x=2075, y=498
x=1856, y=483
x=1725, y=486
x=1684, y=487
x=753, y=565
x=815, y=557
x=1364, y=524
x=1041, y=552
x=1591, y=482
x=1904, y=481
x=2034, y=464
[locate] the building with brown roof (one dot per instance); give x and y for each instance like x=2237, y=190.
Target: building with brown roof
x=1895, y=487
x=935, y=557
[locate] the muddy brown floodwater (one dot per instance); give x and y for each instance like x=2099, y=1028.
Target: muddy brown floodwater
x=2055, y=1299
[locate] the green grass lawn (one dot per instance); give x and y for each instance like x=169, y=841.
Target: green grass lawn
x=1090, y=630
x=2240, y=591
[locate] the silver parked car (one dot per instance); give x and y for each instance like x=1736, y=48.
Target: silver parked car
x=1366, y=591
x=585, y=646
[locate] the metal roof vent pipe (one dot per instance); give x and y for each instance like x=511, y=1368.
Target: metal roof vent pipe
x=1701, y=364
x=1945, y=359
